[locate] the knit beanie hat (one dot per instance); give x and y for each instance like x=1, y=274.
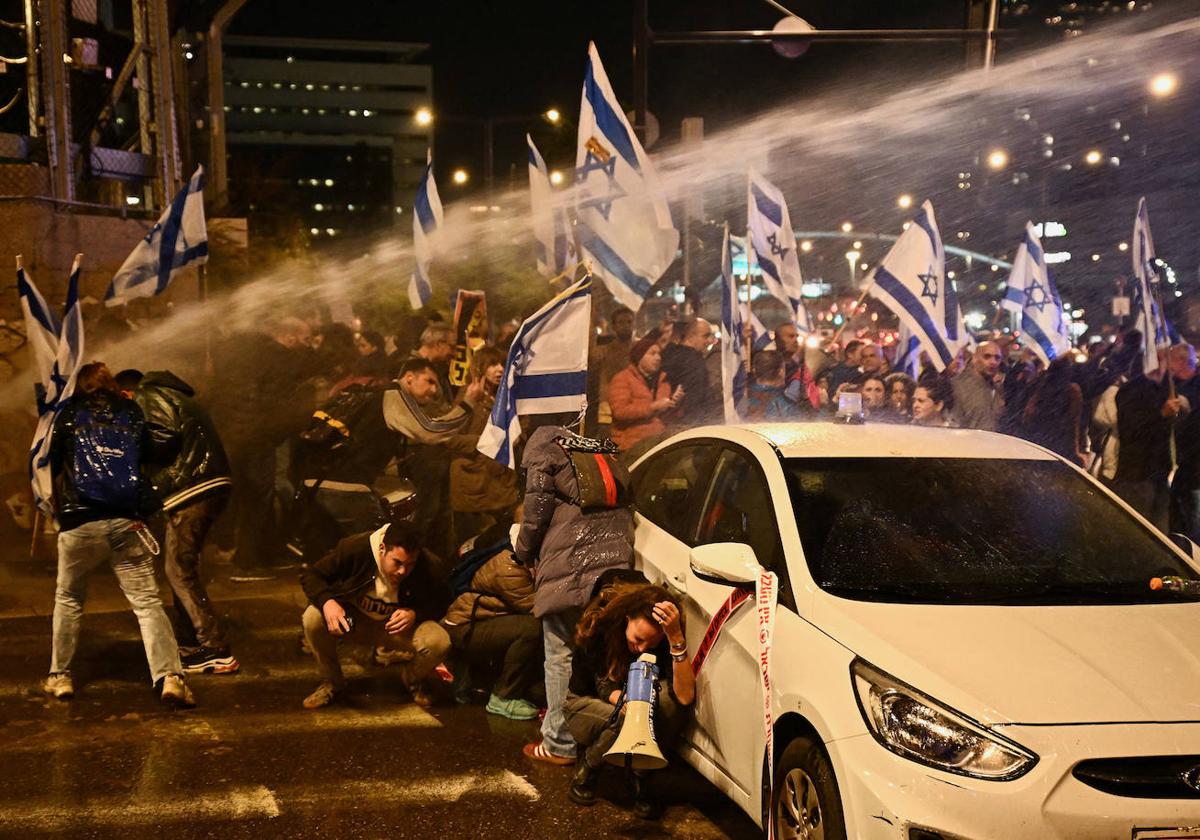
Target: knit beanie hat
x=642, y=345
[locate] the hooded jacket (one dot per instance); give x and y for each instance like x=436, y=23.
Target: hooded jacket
x=567, y=547
x=185, y=434
x=501, y=586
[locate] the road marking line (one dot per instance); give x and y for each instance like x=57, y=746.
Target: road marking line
x=235, y=804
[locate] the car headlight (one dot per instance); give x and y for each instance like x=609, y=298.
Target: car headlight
x=917, y=727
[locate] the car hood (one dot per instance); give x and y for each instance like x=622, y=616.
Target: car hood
x=1033, y=665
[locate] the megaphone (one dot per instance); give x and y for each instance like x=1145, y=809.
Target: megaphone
x=635, y=747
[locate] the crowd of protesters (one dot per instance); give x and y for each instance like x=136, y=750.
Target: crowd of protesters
x=473, y=580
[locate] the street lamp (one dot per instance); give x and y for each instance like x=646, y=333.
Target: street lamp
x=1093, y=157
x=1164, y=84
x=424, y=116
x=847, y=227
x=460, y=176
x=997, y=159
x=553, y=116
x=806, y=246
x=852, y=258
x=904, y=201
x=556, y=177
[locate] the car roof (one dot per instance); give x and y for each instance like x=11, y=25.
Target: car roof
x=873, y=440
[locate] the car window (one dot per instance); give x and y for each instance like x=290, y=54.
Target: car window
x=738, y=508
x=972, y=531
x=665, y=486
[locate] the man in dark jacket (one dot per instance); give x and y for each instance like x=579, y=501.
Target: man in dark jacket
x=376, y=588
x=193, y=481
x=684, y=365
x=101, y=501
x=1144, y=418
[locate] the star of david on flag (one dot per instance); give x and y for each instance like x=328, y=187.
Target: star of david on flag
x=623, y=222
x=773, y=242
x=911, y=282
x=1032, y=294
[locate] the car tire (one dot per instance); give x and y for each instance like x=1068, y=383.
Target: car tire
x=805, y=803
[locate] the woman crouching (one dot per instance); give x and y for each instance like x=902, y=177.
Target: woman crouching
x=621, y=623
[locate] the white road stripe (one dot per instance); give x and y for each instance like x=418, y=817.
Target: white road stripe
x=435, y=790
x=245, y=803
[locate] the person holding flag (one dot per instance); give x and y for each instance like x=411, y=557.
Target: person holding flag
x=178, y=239
x=623, y=222
x=1032, y=294
x=427, y=219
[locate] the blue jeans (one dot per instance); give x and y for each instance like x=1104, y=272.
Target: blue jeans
x=557, y=632
x=81, y=551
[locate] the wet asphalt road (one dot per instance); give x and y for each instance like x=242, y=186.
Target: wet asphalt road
x=250, y=762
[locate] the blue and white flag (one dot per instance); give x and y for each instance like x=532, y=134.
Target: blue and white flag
x=178, y=239
x=733, y=342
x=911, y=281
x=546, y=370
x=1147, y=317
x=774, y=244
x=59, y=386
x=1032, y=294
x=908, y=353
x=623, y=222
x=41, y=325
x=551, y=230
x=427, y=218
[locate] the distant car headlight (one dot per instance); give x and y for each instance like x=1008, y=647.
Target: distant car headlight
x=919, y=728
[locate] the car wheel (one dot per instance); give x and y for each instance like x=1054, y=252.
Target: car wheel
x=805, y=804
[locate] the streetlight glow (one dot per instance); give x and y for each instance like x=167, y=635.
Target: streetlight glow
x=847, y=227
x=1093, y=157
x=424, y=116
x=556, y=177
x=460, y=176
x=1124, y=246
x=553, y=116
x=806, y=246
x=1164, y=84
x=997, y=159
x=904, y=201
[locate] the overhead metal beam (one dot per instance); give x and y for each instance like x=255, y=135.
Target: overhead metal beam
x=118, y=88
x=218, y=166
x=57, y=97
x=32, y=70
x=839, y=36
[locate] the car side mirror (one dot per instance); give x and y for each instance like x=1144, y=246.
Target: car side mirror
x=731, y=564
x=1185, y=544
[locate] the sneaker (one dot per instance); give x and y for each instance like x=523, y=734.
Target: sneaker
x=385, y=656
x=205, y=660
x=321, y=697
x=59, y=686
x=176, y=694
x=538, y=752
x=514, y=709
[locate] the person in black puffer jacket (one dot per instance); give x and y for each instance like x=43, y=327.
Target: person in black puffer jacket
x=193, y=480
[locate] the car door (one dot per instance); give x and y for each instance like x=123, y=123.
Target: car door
x=666, y=491
x=736, y=507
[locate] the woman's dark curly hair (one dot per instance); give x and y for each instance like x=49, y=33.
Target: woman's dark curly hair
x=605, y=618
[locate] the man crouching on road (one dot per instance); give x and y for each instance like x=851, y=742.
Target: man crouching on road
x=376, y=588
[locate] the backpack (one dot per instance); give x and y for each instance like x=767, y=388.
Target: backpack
x=471, y=560
x=107, y=456
x=331, y=425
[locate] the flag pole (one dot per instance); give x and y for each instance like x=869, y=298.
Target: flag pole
x=748, y=324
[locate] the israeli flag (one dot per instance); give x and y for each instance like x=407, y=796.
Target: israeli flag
x=733, y=343
x=59, y=386
x=623, y=223
x=179, y=238
x=1032, y=294
x=911, y=281
x=1147, y=317
x=551, y=230
x=546, y=370
x=774, y=245
x=908, y=353
x=41, y=325
x=427, y=218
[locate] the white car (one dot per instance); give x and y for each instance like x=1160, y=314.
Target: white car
x=966, y=644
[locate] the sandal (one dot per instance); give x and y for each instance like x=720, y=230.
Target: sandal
x=538, y=752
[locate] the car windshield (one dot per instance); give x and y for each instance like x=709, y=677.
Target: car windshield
x=972, y=531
